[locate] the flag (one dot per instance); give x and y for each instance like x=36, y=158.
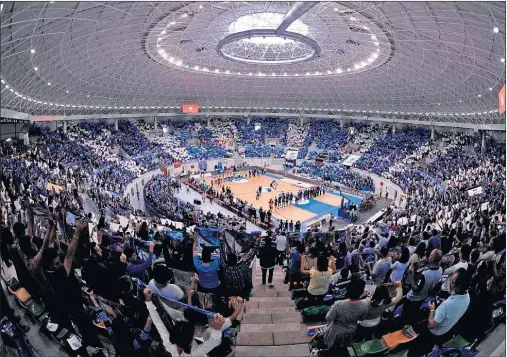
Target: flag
x=174, y=235
x=209, y=236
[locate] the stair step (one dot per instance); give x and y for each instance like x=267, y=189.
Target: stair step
x=295, y=326
x=263, y=338
x=274, y=310
x=275, y=278
x=290, y=338
x=264, y=293
x=269, y=304
x=278, y=298
x=301, y=350
x=277, y=286
x=275, y=274
x=255, y=339
x=274, y=304
x=286, y=318
x=270, y=293
x=263, y=319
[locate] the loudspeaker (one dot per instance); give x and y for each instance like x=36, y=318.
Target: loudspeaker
x=197, y=202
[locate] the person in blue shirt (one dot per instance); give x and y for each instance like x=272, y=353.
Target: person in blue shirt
x=206, y=267
x=134, y=268
x=443, y=318
x=294, y=268
x=434, y=242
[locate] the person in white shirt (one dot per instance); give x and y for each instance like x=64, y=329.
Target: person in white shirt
x=464, y=255
x=281, y=246
x=182, y=343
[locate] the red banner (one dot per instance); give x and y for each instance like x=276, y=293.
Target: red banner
x=501, y=100
x=45, y=118
x=190, y=108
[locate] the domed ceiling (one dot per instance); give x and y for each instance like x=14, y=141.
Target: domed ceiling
x=414, y=59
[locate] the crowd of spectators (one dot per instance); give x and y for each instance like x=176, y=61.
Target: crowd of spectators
x=253, y=136
x=440, y=245
x=390, y=148
x=336, y=173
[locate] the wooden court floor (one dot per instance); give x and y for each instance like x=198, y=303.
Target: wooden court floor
x=247, y=191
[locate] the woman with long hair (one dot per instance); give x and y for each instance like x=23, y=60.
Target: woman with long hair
x=398, y=267
x=419, y=254
x=319, y=279
x=380, y=301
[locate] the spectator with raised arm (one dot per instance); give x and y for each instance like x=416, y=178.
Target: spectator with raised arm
x=180, y=341
x=67, y=289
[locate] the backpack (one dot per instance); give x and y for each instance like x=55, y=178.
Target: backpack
x=315, y=313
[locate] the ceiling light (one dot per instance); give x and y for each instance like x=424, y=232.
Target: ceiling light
x=35, y=68
x=339, y=70
x=335, y=9
x=88, y=96
x=460, y=101
x=179, y=63
x=479, y=96
x=32, y=51
x=329, y=72
x=356, y=66
x=363, y=64
x=273, y=74
x=205, y=69
x=250, y=73
x=352, y=18
x=171, y=59
x=217, y=71
x=196, y=68
x=259, y=74
x=373, y=37
x=239, y=73
x=490, y=88
x=172, y=22
x=200, y=6
x=348, y=69
x=184, y=15
x=49, y=83
x=502, y=60
x=227, y=72
x=496, y=30
x=307, y=73
x=284, y=73
x=163, y=32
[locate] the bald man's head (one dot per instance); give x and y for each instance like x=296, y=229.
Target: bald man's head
x=435, y=257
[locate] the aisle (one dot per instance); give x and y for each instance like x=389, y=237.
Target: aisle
x=271, y=325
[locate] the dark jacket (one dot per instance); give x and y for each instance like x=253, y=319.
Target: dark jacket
x=268, y=254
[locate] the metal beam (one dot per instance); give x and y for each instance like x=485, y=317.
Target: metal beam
x=201, y=115
x=293, y=14
x=12, y=114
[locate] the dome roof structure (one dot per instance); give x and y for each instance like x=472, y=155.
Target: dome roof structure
x=408, y=59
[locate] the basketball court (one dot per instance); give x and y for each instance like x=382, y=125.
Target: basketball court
x=247, y=187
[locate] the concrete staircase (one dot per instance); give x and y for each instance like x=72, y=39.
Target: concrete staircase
x=271, y=325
